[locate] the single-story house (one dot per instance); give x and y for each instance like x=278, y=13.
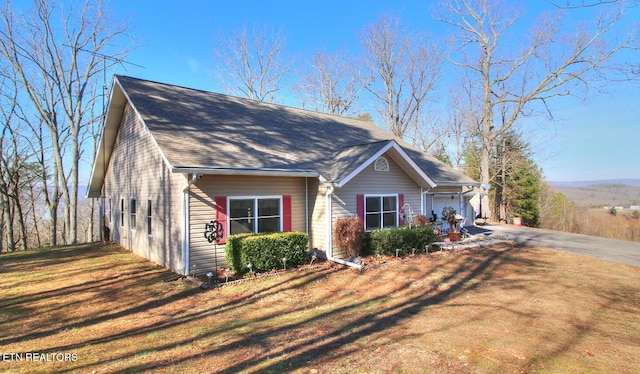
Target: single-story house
x=173, y=160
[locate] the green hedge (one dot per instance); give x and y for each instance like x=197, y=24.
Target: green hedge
x=266, y=251
x=386, y=241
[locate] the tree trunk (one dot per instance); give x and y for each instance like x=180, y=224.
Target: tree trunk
x=8, y=217
x=21, y=226
x=36, y=227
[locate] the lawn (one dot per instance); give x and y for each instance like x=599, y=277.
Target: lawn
x=100, y=309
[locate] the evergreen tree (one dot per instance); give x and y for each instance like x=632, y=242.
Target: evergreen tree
x=524, y=197
x=516, y=181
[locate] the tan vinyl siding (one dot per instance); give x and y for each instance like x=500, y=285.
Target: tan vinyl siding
x=137, y=170
x=318, y=213
x=202, y=209
x=369, y=181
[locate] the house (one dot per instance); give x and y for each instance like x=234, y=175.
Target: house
x=172, y=160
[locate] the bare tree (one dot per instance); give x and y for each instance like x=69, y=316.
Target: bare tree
x=252, y=65
x=46, y=46
x=16, y=173
x=513, y=82
x=331, y=83
x=461, y=123
x=404, y=70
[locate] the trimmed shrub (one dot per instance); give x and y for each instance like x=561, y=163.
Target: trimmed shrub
x=348, y=235
x=386, y=241
x=233, y=251
x=266, y=251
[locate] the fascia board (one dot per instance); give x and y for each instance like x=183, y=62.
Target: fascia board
x=247, y=171
x=392, y=144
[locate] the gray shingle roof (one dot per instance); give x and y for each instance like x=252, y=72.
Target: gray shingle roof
x=199, y=129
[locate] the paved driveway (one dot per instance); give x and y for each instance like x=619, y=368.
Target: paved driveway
x=620, y=251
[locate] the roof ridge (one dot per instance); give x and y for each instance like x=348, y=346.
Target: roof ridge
x=258, y=102
x=367, y=143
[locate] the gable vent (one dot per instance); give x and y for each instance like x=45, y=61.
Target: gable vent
x=381, y=164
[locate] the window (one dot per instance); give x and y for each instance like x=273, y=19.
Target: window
x=149, y=217
x=132, y=214
x=254, y=215
x=122, y=212
x=381, y=211
x=381, y=164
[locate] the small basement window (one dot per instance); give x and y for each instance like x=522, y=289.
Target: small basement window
x=381, y=164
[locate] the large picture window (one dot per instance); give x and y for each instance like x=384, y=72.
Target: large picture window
x=381, y=211
x=254, y=215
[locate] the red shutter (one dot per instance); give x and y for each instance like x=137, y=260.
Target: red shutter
x=400, y=209
x=286, y=213
x=221, y=216
x=360, y=207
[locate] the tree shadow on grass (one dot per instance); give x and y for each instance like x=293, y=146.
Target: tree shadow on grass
x=298, y=334
x=345, y=332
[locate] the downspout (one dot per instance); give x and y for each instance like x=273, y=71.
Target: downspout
x=185, y=222
x=306, y=209
x=330, y=257
x=329, y=221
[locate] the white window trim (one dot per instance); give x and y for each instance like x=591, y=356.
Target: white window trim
x=381, y=220
x=135, y=228
x=255, y=209
x=149, y=216
x=122, y=212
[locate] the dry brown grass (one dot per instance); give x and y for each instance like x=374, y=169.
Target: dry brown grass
x=497, y=309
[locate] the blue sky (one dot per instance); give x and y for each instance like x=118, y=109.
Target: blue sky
x=589, y=140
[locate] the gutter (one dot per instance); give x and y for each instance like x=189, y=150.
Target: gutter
x=273, y=172
x=185, y=222
x=194, y=178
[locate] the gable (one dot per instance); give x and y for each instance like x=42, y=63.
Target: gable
x=366, y=155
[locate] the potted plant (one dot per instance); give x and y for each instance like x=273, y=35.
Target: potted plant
x=450, y=215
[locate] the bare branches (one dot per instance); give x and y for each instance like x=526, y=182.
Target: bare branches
x=47, y=52
x=511, y=79
x=253, y=63
x=331, y=83
x=407, y=69
x=575, y=4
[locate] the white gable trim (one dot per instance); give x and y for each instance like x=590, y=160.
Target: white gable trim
x=144, y=124
x=110, y=129
x=392, y=144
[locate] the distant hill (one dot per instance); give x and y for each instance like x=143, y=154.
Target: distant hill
x=628, y=182
x=610, y=192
